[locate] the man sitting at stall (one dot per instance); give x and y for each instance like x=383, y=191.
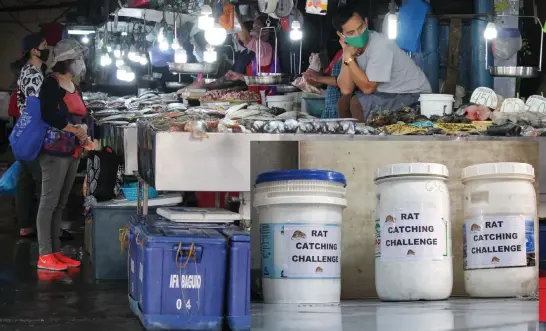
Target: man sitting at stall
x=383, y=76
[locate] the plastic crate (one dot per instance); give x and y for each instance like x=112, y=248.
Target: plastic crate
x=181, y=278
x=130, y=191
x=238, y=280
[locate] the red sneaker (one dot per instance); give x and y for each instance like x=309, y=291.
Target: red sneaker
x=50, y=262
x=70, y=263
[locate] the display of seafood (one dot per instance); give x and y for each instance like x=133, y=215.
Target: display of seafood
x=230, y=95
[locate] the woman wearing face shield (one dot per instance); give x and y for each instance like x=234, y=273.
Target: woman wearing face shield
x=31, y=67
x=64, y=111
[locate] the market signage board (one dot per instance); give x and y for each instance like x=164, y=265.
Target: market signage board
x=484, y=96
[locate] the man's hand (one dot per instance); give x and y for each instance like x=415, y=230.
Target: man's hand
x=348, y=50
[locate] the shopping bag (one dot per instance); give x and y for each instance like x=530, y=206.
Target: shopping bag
x=103, y=168
x=8, y=181
x=27, y=137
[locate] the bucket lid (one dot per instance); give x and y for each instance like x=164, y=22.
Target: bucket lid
x=301, y=174
x=411, y=169
x=500, y=169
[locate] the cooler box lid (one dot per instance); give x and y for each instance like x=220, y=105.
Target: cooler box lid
x=169, y=199
x=198, y=215
x=237, y=235
x=161, y=235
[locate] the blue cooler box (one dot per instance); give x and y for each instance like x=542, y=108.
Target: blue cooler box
x=135, y=225
x=181, y=279
x=238, y=288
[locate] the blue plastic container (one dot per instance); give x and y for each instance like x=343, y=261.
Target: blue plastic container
x=238, y=285
x=314, y=105
x=183, y=278
x=133, y=256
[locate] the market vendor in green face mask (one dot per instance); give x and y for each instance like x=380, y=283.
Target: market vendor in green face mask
x=375, y=69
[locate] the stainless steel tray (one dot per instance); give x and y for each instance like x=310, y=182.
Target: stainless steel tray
x=267, y=79
x=286, y=89
x=520, y=72
x=193, y=68
x=174, y=85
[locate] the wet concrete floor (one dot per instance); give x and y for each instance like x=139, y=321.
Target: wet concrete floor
x=32, y=300
x=451, y=315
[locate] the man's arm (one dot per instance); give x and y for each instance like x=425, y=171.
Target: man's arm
x=345, y=81
x=360, y=79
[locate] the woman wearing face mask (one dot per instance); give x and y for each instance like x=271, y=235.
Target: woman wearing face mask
x=64, y=111
x=251, y=41
x=31, y=67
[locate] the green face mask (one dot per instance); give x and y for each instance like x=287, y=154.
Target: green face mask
x=360, y=40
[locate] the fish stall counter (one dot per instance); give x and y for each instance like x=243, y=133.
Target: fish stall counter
x=221, y=161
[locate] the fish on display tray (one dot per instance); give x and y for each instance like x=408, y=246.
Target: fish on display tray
x=274, y=127
x=291, y=126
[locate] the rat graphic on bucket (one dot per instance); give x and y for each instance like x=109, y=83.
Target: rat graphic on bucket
x=300, y=213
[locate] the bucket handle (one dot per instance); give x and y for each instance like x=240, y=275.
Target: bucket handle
x=184, y=253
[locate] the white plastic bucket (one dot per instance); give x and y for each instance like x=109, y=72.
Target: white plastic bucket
x=300, y=214
x=499, y=232
x=436, y=104
x=413, y=256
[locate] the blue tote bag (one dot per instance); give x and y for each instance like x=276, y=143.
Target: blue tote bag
x=27, y=137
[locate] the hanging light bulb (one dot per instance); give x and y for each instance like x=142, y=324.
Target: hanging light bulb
x=164, y=45
x=180, y=56
x=490, y=31
x=120, y=74
x=392, y=25
x=162, y=40
x=105, y=60
x=296, y=33
x=120, y=63
x=216, y=35
x=129, y=76
x=175, y=45
x=143, y=60
x=210, y=55
x=133, y=55
x=85, y=39
x=205, y=21
x=117, y=52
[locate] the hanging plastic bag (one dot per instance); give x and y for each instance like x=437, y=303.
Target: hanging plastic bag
x=507, y=44
x=8, y=181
